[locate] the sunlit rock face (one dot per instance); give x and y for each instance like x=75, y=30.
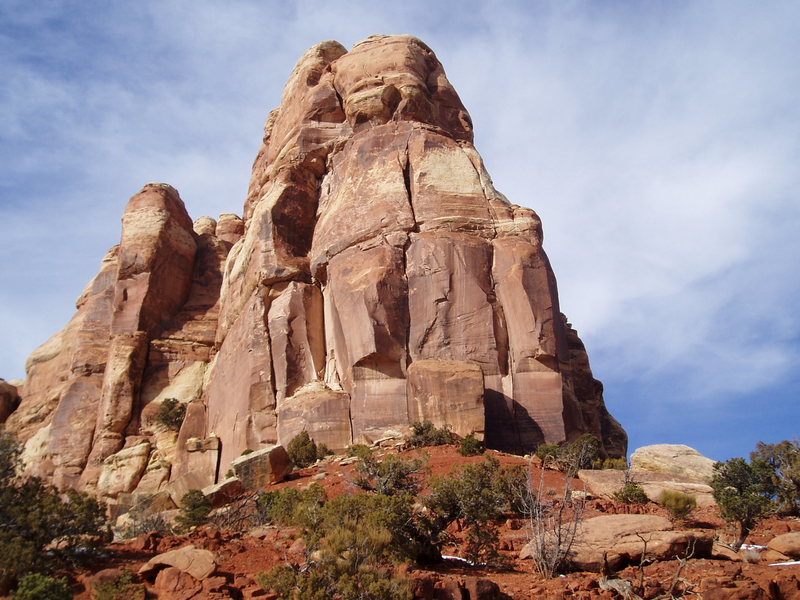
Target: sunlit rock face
x=376, y=278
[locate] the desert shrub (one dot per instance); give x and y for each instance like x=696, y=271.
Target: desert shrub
x=477, y=495
x=194, y=510
x=619, y=464
x=359, y=450
x=470, y=446
x=547, y=452
x=35, y=586
x=122, y=587
x=354, y=540
x=744, y=493
x=290, y=506
x=578, y=454
x=42, y=529
x=678, y=504
x=304, y=451
x=323, y=451
x=785, y=460
x=171, y=413
x=391, y=476
x=246, y=451
x=425, y=433
x=141, y=523
x=325, y=579
x=553, y=518
x=277, y=506
x=10, y=451
x=511, y=483
x=631, y=493
x=368, y=515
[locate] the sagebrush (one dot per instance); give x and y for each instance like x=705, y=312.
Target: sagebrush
x=678, y=504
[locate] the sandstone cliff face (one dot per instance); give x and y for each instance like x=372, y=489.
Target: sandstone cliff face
x=377, y=278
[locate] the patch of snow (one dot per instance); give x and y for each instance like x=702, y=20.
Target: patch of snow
x=464, y=560
x=753, y=547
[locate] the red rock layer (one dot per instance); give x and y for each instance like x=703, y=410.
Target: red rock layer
x=377, y=278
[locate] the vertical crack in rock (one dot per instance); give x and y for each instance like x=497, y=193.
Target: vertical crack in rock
x=267, y=334
x=406, y=166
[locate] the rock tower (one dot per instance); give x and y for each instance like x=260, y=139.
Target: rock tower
x=375, y=278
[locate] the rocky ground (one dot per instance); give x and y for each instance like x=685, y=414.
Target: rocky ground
x=240, y=556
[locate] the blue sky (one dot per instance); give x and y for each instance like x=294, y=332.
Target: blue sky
x=658, y=141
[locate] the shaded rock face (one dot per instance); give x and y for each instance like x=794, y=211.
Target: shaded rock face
x=377, y=277
x=9, y=400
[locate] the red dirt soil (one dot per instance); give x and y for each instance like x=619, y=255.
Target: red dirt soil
x=243, y=555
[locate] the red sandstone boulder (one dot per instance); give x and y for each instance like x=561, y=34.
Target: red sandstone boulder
x=171, y=583
x=605, y=483
x=223, y=492
x=322, y=412
x=194, y=561
x=787, y=544
x=622, y=539
x=263, y=467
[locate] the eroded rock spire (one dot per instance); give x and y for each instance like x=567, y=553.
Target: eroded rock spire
x=376, y=278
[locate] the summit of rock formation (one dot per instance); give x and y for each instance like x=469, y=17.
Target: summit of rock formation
x=376, y=278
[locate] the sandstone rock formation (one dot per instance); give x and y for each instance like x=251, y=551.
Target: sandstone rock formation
x=622, y=539
x=196, y=562
x=787, y=544
x=673, y=458
x=604, y=483
x=377, y=277
x=256, y=470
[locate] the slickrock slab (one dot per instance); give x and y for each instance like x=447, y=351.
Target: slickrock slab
x=604, y=483
x=194, y=561
x=674, y=458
